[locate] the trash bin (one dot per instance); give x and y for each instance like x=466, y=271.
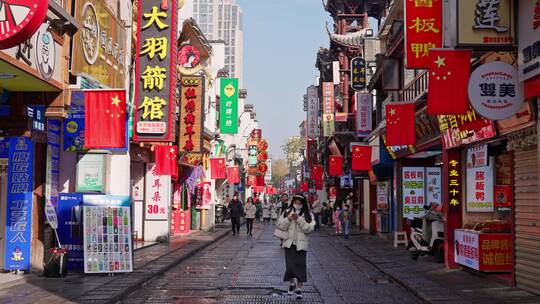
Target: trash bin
x=56, y=265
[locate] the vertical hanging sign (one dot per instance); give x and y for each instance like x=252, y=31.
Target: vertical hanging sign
x=413, y=192
x=423, y=30
x=228, y=107
x=358, y=73
x=156, y=43
x=19, y=204
x=328, y=97
x=364, y=109
x=191, y=109
x=312, y=113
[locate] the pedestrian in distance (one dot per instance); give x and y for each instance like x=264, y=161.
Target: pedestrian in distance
x=236, y=210
x=284, y=202
x=337, y=222
x=251, y=211
x=274, y=211
x=258, y=213
x=317, y=208
x=266, y=211
x=345, y=218
x=298, y=222
x=324, y=213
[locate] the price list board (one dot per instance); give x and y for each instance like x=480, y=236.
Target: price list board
x=107, y=234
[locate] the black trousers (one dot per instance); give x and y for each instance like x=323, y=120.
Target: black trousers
x=249, y=225
x=235, y=221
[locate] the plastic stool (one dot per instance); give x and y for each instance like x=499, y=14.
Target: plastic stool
x=400, y=238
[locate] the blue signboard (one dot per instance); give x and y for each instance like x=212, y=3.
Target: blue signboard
x=74, y=124
x=19, y=204
x=53, y=159
x=70, y=228
x=4, y=147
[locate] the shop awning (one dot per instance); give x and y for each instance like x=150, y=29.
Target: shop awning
x=18, y=77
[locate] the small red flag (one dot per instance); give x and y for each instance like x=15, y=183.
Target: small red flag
x=166, y=160
x=400, y=128
x=217, y=168
x=105, y=119
x=317, y=172
x=335, y=165
x=233, y=175
x=304, y=187
x=361, y=158
x=449, y=72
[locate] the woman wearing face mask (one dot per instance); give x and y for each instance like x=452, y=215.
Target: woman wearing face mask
x=250, y=215
x=298, y=222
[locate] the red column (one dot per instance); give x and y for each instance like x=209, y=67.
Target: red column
x=452, y=201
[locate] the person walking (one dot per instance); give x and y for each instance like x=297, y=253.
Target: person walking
x=266, y=211
x=317, y=207
x=345, y=217
x=298, y=222
x=258, y=213
x=337, y=222
x=236, y=211
x=284, y=202
x=251, y=211
x=274, y=211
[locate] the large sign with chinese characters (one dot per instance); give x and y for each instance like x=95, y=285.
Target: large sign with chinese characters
x=19, y=20
x=423, y=30
x=480, y=188
x=156, y=83
x=364, y=109
x=358, y=73
x=228, y=106
x=494, y=90
x=157, y=194
x=457, y=130
x=328, y=97
x=100, y=45
x=484, y=23
x=70, y=227
x=489, y=252
x=413, y=192
x=529, y=39
x=20, y=186
x=191, y=114
x=312, y=112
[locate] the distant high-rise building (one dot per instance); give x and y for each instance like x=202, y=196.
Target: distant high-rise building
x=222, y=20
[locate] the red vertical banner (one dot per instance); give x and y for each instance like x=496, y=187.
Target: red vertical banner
x=423, y=30
x=452, y=179
x=217, y=168
x=311, y=152
x=335, y=165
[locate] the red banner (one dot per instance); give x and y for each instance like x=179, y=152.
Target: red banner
x=317, y=172
x=311, y=152
x=423, y=30
x=400, y=127
x=165, y=157
x=217, y=168
x=233, y=175
x=361, y=158
x=335, y=165
x=105, y=119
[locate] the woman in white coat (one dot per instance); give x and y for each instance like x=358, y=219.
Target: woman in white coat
x=298, y=222
x=266, y=211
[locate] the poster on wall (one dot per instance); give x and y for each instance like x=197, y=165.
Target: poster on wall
x=382, y=195
x=433, y=187
x=20, y=186
x=70, y=228
x=480, y=188
x=91, y=173
x=107, y=234
x=477, y=156
x=204, y=195
x=413, y=192
x=158, y=195
x=466, y=247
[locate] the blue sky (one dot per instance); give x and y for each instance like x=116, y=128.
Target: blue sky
x=281, y=39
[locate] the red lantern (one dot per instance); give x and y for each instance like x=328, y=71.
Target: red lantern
x=262, y=167
x=262, y=157
x=263, y=145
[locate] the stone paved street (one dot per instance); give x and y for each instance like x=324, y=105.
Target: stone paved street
x=240, y=269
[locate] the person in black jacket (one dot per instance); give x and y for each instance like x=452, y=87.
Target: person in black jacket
x=236, y=211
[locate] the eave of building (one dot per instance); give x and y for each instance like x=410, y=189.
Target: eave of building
x=204, y=45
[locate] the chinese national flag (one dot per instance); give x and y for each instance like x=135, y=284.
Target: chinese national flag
x=105, y=119
x=166, y=160
x=233, y=175
x=361, y=158
x=304, y=187
x=335, y=165
x=317, y=173
x=400, y=128
x=448, y=81
x=217, y=168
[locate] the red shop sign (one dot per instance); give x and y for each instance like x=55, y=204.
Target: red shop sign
x=20, y=20
x=454, y=179
x=457, y=130
x=423, y=30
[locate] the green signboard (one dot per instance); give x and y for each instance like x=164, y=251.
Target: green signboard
x=228, y=109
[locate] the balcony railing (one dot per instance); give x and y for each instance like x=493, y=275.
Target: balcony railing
x=415, y=89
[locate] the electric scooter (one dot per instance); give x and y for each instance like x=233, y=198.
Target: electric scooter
x=419, y=247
